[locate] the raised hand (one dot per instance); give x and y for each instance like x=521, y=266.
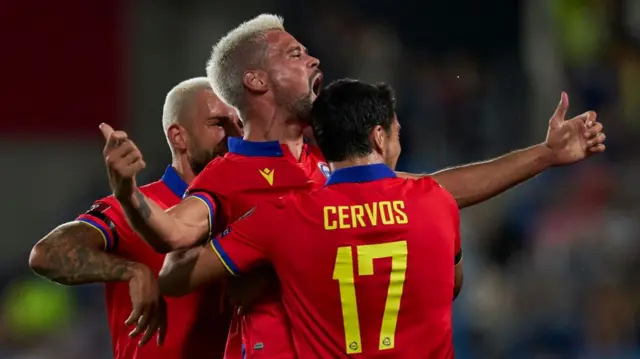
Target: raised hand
x=574, y=139
x=123, y=161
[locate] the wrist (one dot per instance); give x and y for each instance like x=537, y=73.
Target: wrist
x=129, y=200
x=544, y=155
x=136, y=270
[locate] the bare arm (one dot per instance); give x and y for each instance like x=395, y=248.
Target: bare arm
x=567, y=142
x=180, y=227
x=478, y=182
x=73, y=254
x=186, y=270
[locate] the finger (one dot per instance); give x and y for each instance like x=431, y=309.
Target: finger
x=132, y=157
x=116, y=158
x=162, y=330
x=561, y=110
x=151, y=329
x=594, y=130
x=115, y=139
x=598, y=148
x=589, y=118
x=137, y=166
x=124, y=147
x=163, y=323
x=106, y=130
x=143, y=323
x=597, y=140
x=134, y=316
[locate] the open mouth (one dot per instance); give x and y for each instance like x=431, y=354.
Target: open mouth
x=316, y=85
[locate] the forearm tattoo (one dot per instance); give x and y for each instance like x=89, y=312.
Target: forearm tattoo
x=143, y=207
x=71, y=257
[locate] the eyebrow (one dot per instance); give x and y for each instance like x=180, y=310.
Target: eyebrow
x=298, y=47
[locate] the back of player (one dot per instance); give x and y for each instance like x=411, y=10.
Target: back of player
x=370, y=268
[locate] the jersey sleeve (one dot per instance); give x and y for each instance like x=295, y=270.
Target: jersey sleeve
x=430, y=184
x=456, y=227
x=105, y=217
x=246, y=243
x=203, y=188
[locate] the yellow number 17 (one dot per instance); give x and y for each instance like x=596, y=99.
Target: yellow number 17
x=343, y=272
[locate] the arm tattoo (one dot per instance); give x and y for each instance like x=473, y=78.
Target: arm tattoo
x=71, y=255
x=143, y=207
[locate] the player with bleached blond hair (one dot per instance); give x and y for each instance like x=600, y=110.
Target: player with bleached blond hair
x=100, y=246
x=270, y=78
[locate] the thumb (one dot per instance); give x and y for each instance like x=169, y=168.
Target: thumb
x=561, y=110
x=106, y=130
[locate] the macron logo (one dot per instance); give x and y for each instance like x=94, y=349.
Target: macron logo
x=268, y=175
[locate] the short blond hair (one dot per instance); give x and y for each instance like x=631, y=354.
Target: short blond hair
x=235, y=53
x=178, y=98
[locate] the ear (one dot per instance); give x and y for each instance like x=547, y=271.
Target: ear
x=177, y=137
x=256, y=81
x=378, y=139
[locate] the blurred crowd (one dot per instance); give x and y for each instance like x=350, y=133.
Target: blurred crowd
x=550, y=266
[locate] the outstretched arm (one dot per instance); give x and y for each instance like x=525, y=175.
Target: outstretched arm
x=475, y=183
x=567, y=142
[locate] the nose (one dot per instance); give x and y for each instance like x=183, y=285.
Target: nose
x=313, y=62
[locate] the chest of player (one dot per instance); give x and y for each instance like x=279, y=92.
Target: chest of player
x=268, y=179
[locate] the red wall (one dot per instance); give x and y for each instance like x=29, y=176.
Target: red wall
x=62, y=66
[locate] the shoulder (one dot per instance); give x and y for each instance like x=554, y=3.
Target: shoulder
x=108, y=206
x=428, y=185
x=214, y=166
x=213, y=176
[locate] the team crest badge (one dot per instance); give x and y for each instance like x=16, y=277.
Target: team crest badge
x=324, y=168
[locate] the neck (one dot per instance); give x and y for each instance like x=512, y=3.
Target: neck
x=262, y=126
x=370, y=159
x=181, y=164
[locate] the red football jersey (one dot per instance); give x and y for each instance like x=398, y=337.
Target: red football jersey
x=249, y=174
x=197, y=323
x=366, y=264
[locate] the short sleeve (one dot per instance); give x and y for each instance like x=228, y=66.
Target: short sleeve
x=204, y=188
x=246, y=243
x=456, y=227
x=429, y=184
x=105, y=218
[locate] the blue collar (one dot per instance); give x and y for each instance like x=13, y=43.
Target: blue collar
x=172, y=179
x=254, y=149
x=357, y=174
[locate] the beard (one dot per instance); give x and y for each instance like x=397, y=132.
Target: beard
x=200, y=158
x=302, y=108
x=299, y=106
x=198, y=163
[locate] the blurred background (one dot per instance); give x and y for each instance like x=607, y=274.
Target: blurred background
x=550, y=266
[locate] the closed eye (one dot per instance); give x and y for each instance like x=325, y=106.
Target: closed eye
x=215, y=121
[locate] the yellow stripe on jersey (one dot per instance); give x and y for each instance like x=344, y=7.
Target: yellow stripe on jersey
x=224, y=259
x=104, y=237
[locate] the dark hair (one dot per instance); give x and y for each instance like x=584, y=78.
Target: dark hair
x=346, y=112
